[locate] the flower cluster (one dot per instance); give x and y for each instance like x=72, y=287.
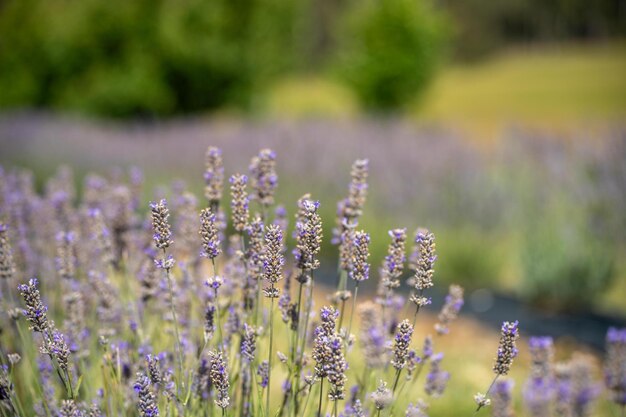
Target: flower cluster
x=264, y=179
x=239, y=202
x=213, y=176
x=160, y=224
x=507, y=351
x=209, y=234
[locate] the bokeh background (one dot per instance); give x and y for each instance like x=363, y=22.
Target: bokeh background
x=500, y=125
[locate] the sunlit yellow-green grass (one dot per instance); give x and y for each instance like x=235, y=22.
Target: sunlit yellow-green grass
x=556, y=86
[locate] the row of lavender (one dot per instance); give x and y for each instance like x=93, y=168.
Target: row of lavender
x=143, y=332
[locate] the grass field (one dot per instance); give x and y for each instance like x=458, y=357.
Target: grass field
x=556, y=87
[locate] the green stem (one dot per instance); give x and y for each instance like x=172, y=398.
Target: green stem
x=487, y=393
x=319, y=406
x=269, y=371
x=356, y=292
x=175, y=319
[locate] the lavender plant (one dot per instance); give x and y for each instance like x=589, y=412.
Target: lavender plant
x=141, y=334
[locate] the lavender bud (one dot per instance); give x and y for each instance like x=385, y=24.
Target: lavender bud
x=507, y=350
x=248, y=344
x=264, y=179
x=437, y=379
x=274, y=260
x=162, y=232
x=481, y=400
x=209, y=322
x=584, y=389
x=401, y=344
x=209, y=234
x=450, y=310
x=263, y=373
x=345, y=248
x=382, y=397
x=7, y=266
x=154, y=370
x=417, y=410
x=394, y=261
x=147, y=400
x=218, y=374
x=100, y=235
x=309, y=236
x=36, y=312
x=423, y=259
x=358, y=189
x=502, y=399
x=615, y=365
x=337, y=367
x=359, y=268
x=372, y=336
x=70, y=409
x=239, y=201
x=57, y=348
x=66, y=255
x=213, y=176
x=14, y=358
x=256, y=249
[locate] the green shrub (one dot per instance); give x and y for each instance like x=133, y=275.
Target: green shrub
x=564, y=266
x=128, y=58
x=389, y=51
x=468, y=258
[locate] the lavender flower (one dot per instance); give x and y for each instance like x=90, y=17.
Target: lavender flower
x=262, y=372
x=264, y=179
x=274, y=260
x=336, y=368
x=359, y=268
x=160, y=224
x=248, y=343
x=450, y=309
x=239, y=201
x=539, y=390
x=218, y=374
x=584, y=389
x=147, y=400
x=309, y=236
x=7, y=266
x=401, y=345
x=422, y=261
x=615, y=365
x=358, y=189
x=100, y=236
x=70, y=409
x=382, y=397
x=507, y=350
x=154, y=369
x=563, y=406
x=36, y=312
x=66, y=255
x=209, y=321
x=372, y=336
x=209, y=235
x=394, y=261
x=345, y=248
x=213, y=176
x=437, y=379
x=256, y=248
x=502, y=399
x=57, y=348
x=417, y=410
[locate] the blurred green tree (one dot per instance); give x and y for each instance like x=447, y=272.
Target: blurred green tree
x=389, y=51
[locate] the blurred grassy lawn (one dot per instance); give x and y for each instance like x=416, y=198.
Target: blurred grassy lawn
x=556, y=87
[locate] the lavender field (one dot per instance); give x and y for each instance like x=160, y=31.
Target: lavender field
x=231, y=268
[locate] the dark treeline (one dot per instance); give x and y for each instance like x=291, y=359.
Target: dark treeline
x=159, y=57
